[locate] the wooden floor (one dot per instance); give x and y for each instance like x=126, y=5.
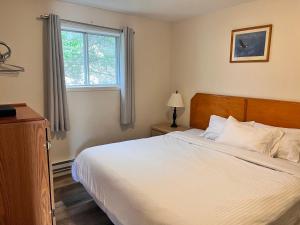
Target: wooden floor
x=74, y=206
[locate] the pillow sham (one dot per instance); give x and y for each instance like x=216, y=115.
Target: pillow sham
x=249, y=137
x=216, y=126
x=288, y=147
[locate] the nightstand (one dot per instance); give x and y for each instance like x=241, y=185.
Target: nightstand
x=164, y=128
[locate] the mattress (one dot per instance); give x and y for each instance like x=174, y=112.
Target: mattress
x=183, y=179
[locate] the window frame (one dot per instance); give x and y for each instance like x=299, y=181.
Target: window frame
x=89, y=30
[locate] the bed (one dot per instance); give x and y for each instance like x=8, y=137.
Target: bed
x=183, y=179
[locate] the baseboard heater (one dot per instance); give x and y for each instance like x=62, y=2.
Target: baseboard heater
x=62, y=168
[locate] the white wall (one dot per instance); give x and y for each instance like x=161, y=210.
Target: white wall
x=198, y=49
x=94, y=114
x=201, y=48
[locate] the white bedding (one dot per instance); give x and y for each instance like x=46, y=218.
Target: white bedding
x=182, y=179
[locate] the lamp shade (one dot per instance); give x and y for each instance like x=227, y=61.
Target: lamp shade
x=176, y=101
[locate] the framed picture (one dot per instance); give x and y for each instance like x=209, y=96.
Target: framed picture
x=251, y=44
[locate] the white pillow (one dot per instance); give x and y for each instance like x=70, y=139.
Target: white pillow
x=249, y=137
x=216, y=126
x=289, y=146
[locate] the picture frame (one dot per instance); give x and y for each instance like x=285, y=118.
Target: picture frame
x=251, y=44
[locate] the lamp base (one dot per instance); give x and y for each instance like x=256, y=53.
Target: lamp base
x=174, y=125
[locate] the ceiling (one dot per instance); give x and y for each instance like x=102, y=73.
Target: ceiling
x=169, y=10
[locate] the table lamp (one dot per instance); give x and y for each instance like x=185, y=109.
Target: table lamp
x=175, y=101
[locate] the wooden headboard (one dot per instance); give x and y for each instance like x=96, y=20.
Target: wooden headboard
x=270, y=112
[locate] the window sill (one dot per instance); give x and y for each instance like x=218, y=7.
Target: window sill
x=86, y=89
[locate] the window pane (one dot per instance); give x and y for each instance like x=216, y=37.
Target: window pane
x=73, y=48
x=102, y=60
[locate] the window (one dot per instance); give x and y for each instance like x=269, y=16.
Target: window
x=91, y=58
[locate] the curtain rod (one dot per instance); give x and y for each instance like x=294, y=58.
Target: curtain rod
x=45, y=17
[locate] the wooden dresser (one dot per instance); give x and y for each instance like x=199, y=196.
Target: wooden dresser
x=26, y=194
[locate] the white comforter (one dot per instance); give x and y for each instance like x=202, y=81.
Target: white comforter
x=181, y=179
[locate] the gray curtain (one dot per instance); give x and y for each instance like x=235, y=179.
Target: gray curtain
x=127, y=78
x=57, y=107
